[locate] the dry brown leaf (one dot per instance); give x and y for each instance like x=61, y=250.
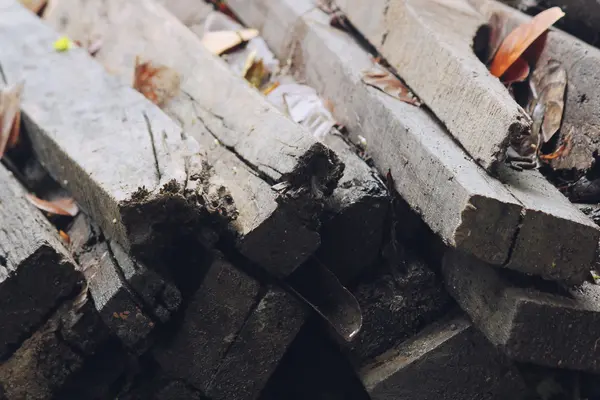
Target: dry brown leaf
x=562, y=150
x=389, y=84
x=157, y=83
x=218, y=42
x=515, y=44
x=271, y=87
x=34, y=6
x=61, y=206
x=517, y=72
x=548, y=85
x=10, y=116
x=255, y=71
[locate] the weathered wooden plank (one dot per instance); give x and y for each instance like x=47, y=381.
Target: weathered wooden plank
x=117, y=153
x=448, y=360
x=460, y=203
x=271, y=231
x=212, y=320
x=259, y=346
x=36, y=271
x=582, y=63
x=533, y=321
x=115, y=303
x=429, y=43
x=191, y=12
x=54, y=353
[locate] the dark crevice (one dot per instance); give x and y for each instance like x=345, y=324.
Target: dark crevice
x=515, y=237
x=156, y=164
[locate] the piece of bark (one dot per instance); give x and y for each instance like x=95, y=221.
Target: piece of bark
x=582, y=63
x=123, y=160
x=429, y=43
x=36, y=271
x=258, y=347
x=115, y=302
x=532, y=321
x=458, y=201
x=211, y=322
x=54, y=353
x=236, y=115
x=276, y=231
x=448, y=360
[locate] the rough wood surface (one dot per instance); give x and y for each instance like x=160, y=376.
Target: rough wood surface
x=536, y=322
x=582, y=63
x=271, y=230
x=258, y=347
x=211, y=322
x=117, y=153
x=237, y=115
x=36, y=271
x=524, y=223
x=448, y=360
x=429, y=43
x=115, y=302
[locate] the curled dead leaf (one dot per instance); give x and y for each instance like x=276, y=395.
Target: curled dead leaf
x=157, y=83
x=255, y=71
x=515, y=44
x=60, y=206
x=386, y=82
x=218, y=42
x=517, y=72
x=548, y=85
x=10, y=116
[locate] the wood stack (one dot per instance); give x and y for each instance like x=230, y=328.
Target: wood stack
x=194, y=269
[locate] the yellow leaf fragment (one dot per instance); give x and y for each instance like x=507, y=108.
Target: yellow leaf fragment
x=63, y=44
x=218, y=42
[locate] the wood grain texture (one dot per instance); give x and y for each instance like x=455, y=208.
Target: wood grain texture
x=429, y=43
x=582, y=63
x=36, y=271
x=465, y=207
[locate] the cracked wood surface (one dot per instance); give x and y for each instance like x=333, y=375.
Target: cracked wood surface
x=88, y=129
x=270, y=229
x=523, y=223
x=429, y=43
x=36, y=271
x=582, y=101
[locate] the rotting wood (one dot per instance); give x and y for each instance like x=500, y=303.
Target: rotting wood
x=429, y=43
x=448, y=360
x=525, y=223
x=114, y=301
x=275, y=230
x=36, y=271
x=211, y=322
x=54, y=353
x=535, y=321
x=259, y=346
x=582, y=101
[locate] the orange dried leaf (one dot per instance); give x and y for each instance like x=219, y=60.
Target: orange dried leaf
x=10, y=116
x=388, y=83
x=515, y=44
x=562, y=150
x=157, y=83
x=64, y=236
x=61, y=206
x=517, y=72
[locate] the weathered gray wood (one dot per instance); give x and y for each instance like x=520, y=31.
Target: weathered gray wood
x=429, y=43
x=191, y=12
x=271, y=231
x=448, y=360
x=36, y=271
x=118, y=154
x=582, y=63
x=238, y=116
x=212, y=320
x=54, y=353
x=460, y=203
x=259, y=346
x=535, y=322
x=115, y=303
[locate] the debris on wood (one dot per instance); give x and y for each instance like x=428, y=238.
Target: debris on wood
x=548, y=85
x=63, y=44
x=389, y=84
x=519, y=40
x=255, y=71
x=221, y=41
x=156, y=82
x=10, y=116
x=60, y=206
